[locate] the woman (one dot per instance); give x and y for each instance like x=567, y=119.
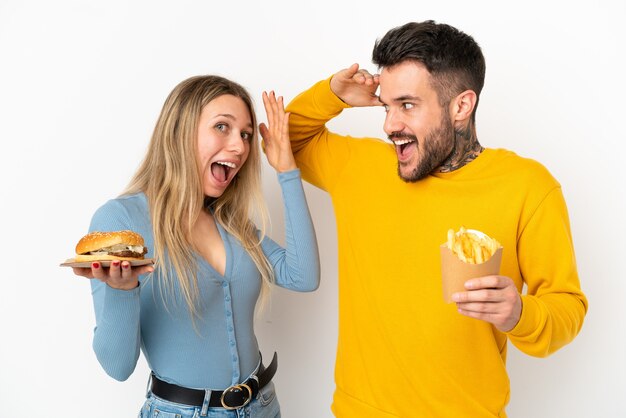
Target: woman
x=192, y=199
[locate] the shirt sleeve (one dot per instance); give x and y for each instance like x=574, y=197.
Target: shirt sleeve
x=554, y=307
x=117, y=335
x=319, y=153
x=297, y=266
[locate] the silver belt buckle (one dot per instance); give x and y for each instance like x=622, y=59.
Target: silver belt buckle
x=234, y=389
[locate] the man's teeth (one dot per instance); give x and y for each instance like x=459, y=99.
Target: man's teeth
x=227, y=164
x=402, y=141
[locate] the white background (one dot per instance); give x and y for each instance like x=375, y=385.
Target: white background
x=81, y=85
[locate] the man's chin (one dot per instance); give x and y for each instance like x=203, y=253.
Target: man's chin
x=407, y=176
x=410, y=174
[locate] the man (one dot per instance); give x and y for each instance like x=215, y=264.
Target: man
x=402, y=351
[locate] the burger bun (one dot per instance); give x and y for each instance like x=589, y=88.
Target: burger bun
x=95, y=241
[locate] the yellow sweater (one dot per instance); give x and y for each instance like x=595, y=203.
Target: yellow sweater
x=402, y=351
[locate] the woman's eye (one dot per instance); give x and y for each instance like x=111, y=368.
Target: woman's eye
x=222, y=127
x=246, y=135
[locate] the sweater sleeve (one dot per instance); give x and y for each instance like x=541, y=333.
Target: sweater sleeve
x=554, y=307
x=319, y=153
x=116, y=339
x=297, y=266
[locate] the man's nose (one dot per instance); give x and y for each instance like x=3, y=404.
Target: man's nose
x=392, y=123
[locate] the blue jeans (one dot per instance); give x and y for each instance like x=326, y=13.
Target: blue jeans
x=265, y=405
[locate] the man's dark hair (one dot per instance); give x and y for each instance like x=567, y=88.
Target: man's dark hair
x=453, y=59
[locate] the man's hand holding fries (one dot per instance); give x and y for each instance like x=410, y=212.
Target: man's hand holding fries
x=493, y=298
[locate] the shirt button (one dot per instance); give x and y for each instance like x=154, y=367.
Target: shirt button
x=224, y=284
x=228, y=313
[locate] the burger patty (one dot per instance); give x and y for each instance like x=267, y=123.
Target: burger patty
x=127, y=253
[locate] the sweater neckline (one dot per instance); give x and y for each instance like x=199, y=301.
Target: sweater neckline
x=470, y=169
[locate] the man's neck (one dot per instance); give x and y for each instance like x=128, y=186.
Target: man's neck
x=466, y=149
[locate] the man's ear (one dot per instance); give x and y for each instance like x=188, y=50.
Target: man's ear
x=462, y=106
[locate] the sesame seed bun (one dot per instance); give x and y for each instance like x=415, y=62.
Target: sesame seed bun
x=101, y=241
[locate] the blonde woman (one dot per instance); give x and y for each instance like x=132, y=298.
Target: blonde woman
x=192, y=199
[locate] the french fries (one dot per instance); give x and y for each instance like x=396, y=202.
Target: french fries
x=470, y=246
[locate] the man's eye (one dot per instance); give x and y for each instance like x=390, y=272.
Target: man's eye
x=408, y=106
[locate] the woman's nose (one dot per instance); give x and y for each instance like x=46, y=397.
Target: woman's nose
x=236, y=144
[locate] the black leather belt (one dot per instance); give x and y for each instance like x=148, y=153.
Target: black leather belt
x=233, y=397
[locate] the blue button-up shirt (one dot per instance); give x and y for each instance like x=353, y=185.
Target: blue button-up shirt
x=217, y=348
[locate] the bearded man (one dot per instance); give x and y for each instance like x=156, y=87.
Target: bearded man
x=402, y=351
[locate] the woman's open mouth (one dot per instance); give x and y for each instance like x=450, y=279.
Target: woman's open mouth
x=223, y=171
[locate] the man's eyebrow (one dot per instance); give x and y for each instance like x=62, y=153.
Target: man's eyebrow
x=404, y=98
x=407, y=97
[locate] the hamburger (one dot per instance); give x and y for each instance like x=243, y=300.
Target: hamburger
x=114, y=245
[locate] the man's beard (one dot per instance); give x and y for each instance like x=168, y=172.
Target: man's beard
x=438, y=146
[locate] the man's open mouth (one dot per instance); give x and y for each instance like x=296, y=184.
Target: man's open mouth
x=404, y=145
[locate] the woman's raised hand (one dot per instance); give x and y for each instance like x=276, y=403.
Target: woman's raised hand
x=276, y=135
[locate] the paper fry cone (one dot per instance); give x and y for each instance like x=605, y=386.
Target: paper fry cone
x=454, y=272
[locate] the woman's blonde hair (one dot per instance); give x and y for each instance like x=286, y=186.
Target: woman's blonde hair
x=171, y=180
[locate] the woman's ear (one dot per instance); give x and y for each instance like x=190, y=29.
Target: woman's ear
x=462, y=106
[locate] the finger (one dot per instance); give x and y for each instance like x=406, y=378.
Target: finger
x=485, y=316
x=499, y=314
x=364, y=78
x=267, y=105
x=280, y=107
x=368, y=79
x=285, y=133
x=481, y=295
x=263, y=130
x=83, y=272
x=349, y=72
x=279, y=115
x=268, y=131
x=114, y=270
x=97, y=271
x=270, y=109
x=140, y=271
x=488, y=282
x=276, y=109
x=126, y=271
